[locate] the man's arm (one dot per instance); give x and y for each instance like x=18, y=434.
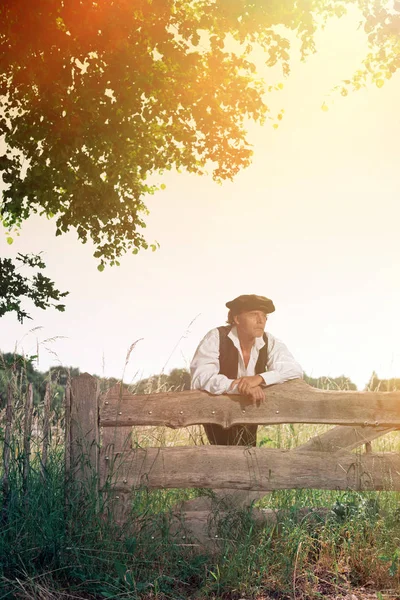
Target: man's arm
x=204, y=367
x=281, y=364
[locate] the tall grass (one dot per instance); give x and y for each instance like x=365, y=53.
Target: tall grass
x=53, y=547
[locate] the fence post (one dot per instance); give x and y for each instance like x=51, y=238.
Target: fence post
x=83, y=443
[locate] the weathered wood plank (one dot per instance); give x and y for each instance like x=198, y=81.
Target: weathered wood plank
x=290, y=402
x=119, y=438
x=119, y=504
x=343, y=438
x=114, y=441
x=221, y=467
x=84, y=427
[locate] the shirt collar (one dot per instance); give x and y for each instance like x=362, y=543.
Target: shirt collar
x=233, y=335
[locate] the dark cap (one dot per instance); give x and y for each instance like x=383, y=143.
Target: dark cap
x=250, y=302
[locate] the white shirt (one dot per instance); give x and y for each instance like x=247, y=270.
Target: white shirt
x=204, y=368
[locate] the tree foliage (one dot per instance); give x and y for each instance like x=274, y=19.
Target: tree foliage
x=97, y=96
x=17, y=370
x=176, y=380
x=16, y=287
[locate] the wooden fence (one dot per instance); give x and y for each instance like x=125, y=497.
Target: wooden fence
x=100, y=427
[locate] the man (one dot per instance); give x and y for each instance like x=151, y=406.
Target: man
x=240, y=358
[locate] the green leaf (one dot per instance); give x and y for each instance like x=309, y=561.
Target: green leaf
x=147, y=103
x=131, y=544
x=100, y=267
x=121, y=569
x=15, y=287
x=10, y=241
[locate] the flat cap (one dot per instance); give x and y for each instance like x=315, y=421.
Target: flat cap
x=250, y=302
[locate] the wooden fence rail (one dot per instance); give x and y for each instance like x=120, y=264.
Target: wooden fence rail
x=260, y=469
x=102, y=426
x=290, y=402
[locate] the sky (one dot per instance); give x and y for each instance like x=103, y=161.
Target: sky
x=312, y=224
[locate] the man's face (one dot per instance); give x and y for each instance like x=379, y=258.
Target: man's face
x=251, y=323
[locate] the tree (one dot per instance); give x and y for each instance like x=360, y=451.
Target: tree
x=15, y=287
x=17, y=370
x=382, y=385
x=177, y=380
x=96, y=96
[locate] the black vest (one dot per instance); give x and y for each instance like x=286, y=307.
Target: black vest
x=229, y=356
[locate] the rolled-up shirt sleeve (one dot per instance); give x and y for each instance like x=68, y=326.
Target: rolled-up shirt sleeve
x=281, y=365
x=204, y=367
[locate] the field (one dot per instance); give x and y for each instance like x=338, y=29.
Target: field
x=57, y=545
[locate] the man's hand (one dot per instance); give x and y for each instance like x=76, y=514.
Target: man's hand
x=256, y=394
x=246, y=384
x=250, y=387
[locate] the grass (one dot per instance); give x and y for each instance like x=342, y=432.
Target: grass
x=47, y=547
x=50, y=548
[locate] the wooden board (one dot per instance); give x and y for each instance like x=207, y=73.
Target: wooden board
x=120, y=438
x=290, y=402
x=337, y=439
x=234, y=467
x=83, y=427
x=343, y=438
